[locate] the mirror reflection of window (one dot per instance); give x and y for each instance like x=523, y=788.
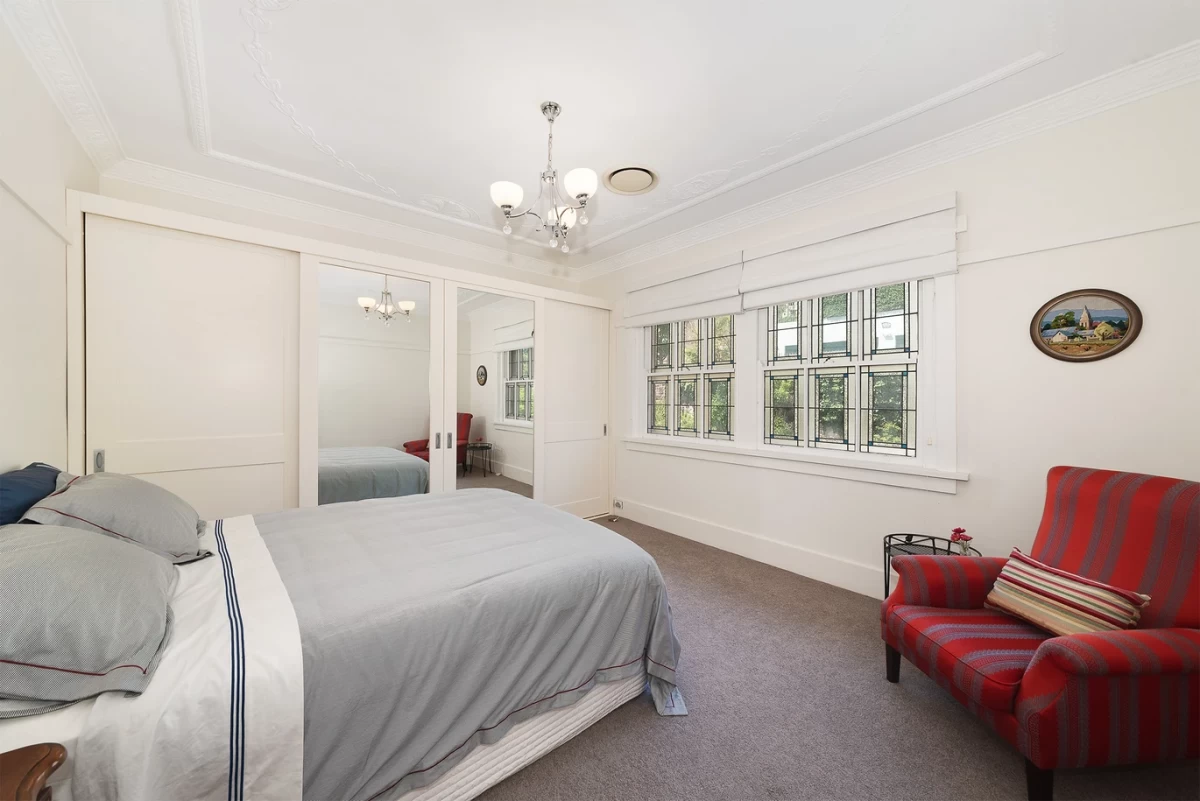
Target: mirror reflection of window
x=496, y=332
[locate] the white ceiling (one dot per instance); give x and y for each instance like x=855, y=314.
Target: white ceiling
x=406, y=112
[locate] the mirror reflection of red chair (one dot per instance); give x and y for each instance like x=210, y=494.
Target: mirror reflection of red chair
x=420, y=447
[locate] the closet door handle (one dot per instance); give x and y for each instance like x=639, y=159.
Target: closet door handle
x=437, y=440
x=449, y=440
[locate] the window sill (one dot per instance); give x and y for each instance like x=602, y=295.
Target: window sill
x=512, y=425
x=807, y=461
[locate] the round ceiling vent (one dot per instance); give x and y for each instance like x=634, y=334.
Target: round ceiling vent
x=630, y=180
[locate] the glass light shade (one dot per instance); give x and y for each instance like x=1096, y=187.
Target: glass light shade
x=407, y=305
x=566, y=216
x=580, y=181
x=367, y=303
x=506, y=193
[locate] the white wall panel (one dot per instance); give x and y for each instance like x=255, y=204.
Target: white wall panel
x=192, y=363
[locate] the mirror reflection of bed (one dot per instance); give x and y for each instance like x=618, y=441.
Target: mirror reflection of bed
x=495, y=347
x=373, y=401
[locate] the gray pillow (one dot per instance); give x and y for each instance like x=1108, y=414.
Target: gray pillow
x=83, y=614
x=126, y=508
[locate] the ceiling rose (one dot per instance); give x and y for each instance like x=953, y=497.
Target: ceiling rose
x=553, y=207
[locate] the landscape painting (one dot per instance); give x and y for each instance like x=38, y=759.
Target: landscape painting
x=1086, y=325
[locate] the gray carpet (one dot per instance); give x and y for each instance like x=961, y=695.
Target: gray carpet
x=784, y=679
x=477, y=479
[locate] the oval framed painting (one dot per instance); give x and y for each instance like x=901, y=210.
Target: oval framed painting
x=481, y=375
x=1086, y=325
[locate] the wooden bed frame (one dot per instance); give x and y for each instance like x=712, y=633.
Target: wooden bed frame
x=24, y=772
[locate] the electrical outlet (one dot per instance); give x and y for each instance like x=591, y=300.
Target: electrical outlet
x=618, y=504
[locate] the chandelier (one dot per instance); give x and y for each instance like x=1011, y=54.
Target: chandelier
x=556, y=208
x=385, y=307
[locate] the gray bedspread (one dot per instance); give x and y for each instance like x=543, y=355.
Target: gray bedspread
x=432, y=623
x=354, y=474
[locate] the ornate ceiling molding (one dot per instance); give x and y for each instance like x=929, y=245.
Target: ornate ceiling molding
x=189, y=48
x=1157, y=74
x=41, y=35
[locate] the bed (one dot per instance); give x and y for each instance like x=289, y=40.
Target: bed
x=355, y=474
x=410, y=648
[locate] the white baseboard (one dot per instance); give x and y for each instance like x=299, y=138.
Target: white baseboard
x=854, y=576
x=522, y=474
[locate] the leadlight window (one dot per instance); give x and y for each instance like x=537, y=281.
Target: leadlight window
x=658, y=415
x=518, y=385
x=889, y=416
x=687, y=406
x=689, y=390
x=831, y=410
x=890, y=320
x=784, y=332
x=718, y=405
x=689, y=343
x=784, y=402
x=720, y=341
x=853, y=388
x=662, y=339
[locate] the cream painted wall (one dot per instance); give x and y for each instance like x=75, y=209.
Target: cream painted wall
x=513, y=446
x=1019, y=412
x=374, y=380
x=39, y=160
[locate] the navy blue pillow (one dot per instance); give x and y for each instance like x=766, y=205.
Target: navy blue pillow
x=21, y=489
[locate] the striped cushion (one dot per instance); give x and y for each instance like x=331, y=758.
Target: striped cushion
x=1062, y=602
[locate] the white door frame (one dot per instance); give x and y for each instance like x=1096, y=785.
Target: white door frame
x=451, y=321
x=81, y=203
x=309, y=390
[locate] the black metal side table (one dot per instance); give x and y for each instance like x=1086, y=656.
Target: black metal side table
x=903, y=544
x=484, y=449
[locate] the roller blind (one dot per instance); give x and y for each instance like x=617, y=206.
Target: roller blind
x=916, y=241
x=706, y=293
x=906, y=243
x=513, y=336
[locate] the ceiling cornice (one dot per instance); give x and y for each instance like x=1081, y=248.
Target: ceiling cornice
x=177, y=181
x=41, y=35
x=1142, y=79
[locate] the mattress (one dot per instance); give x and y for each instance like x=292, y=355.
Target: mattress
x=356, y=474
x=525, y=743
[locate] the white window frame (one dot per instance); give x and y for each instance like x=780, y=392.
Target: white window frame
x=933, y=468
x=507, y=381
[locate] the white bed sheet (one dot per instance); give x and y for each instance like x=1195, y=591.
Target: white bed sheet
x=62, y=726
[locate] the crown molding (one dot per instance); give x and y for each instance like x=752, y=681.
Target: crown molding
x=196, y=186
x=1129, y=84
x=185, y=14
x=42, y=37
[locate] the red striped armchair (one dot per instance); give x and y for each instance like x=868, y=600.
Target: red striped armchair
x=1082, y=700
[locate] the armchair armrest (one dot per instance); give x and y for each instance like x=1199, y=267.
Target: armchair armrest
x=25, y=771
x=1080, y=689
x=416, y=445
x=945, y=581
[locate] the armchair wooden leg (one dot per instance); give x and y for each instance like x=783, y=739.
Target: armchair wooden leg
x=1039, y=782
x=893, y=664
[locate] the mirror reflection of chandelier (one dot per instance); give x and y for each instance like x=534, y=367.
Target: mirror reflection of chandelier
x=557, y=207
x=385, y=307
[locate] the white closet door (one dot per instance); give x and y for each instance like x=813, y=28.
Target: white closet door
x=191, y=352
x=572, y=377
